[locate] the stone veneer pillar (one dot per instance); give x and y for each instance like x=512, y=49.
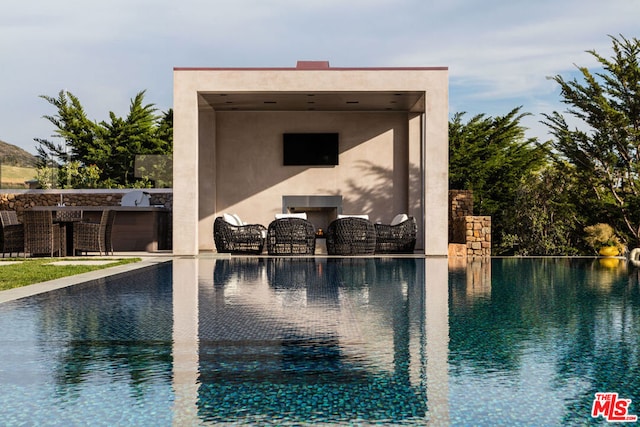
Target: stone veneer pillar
x=469, y=235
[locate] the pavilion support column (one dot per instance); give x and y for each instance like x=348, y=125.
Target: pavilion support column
x=207, y=183
x=185, y=167
x=416, y=192
x=436, y=168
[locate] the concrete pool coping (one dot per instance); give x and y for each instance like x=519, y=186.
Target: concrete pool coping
x=149, y=259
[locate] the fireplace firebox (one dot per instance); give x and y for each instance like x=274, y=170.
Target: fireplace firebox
x=320, y=210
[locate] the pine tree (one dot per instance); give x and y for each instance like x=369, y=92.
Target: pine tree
x=108, y=147
x=491, y=156
x=605, y=149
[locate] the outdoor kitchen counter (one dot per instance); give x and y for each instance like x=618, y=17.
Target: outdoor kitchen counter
x=136, y=228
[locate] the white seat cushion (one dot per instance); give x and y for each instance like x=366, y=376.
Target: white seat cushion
x=354, y=216
x=232, y=219
x=238, y=220
x=399, y=219
x=302, y=215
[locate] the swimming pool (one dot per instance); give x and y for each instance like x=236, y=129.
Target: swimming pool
x=333, y=341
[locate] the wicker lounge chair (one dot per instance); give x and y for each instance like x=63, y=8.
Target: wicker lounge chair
x=399, y=237
x=12, y=233
x=351, y=236
x=232, y=238
x=41, y=235
x=291, y=236
x=94, y=236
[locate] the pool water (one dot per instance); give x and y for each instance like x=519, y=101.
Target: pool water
x=326, y=341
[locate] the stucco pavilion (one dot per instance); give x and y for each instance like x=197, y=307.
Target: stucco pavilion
x=228, y=147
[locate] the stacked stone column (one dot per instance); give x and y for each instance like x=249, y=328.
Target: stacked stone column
x=469, y=235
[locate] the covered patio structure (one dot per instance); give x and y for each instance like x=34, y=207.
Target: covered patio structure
x=390, y=126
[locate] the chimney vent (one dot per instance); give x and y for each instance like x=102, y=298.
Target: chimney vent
x=312, y=65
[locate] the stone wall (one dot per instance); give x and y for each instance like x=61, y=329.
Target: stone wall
x=469, y=235
x=20, y=200
x=460, y=205
x=475, y=233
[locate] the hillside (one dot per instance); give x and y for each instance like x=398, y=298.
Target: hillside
x=11, y=155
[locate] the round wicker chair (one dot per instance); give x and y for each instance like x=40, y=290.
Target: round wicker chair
x=351, y=236
x=242, y=239
x=396, y=239
x=291, y=236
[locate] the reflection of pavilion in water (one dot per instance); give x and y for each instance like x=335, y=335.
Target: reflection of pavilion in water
x=329, y=340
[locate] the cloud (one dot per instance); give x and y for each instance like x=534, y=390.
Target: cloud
x=498, y=52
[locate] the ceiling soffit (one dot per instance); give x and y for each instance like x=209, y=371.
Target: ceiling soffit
x=405, y=101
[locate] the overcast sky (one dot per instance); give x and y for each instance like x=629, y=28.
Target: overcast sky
x=499, y=52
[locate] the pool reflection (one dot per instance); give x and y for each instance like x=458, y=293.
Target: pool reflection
x=541, y=337
x=91, y=354
x=312, y=340
x=252, y=340
x=107, y=332
x=529, y=339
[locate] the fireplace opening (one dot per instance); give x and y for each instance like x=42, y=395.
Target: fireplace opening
x=320, y=210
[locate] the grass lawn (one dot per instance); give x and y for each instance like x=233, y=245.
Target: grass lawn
x=15, y=176
x=30, y=271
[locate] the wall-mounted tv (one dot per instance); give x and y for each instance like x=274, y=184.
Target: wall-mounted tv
x=310, y=149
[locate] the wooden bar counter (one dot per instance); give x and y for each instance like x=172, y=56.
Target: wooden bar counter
x=136, y=228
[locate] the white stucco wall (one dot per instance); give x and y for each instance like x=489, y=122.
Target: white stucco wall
x=371, y=176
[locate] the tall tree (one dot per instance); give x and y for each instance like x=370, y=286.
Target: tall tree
x=122, y=139
x=72, y=126
x=605, y=149
x=107, y=147
x=491, y=156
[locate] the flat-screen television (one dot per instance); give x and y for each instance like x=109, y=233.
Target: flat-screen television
x=310, y=149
